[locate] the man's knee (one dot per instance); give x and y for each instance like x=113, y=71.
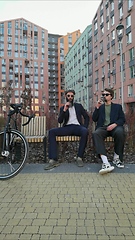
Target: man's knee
x=95, y=133
x=85, y=132
x=52, y=131
x=120, y=131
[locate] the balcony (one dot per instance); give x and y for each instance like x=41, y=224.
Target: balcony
x=27, y=74
x=26, y=61
x=16, y=73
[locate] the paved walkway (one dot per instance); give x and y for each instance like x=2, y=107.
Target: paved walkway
x=69, y=204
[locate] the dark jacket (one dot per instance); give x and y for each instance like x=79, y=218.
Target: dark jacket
x=82, y=116
x=116, y=115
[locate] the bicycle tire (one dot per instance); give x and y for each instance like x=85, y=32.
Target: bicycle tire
x=17, y=150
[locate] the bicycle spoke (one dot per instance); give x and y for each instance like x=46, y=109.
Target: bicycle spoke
x=11, y=167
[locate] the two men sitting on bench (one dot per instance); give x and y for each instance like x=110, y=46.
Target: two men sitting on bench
x=109, y=118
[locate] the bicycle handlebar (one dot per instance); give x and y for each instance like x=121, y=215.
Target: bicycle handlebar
x=17, y=109
x=29, y=118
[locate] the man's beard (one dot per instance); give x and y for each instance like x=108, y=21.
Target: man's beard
x=71, y=101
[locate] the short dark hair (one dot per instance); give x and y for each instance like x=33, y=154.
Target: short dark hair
x=111, y=91
x=70, y=90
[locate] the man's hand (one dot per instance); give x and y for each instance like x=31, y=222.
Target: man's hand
x=99, y=103
x=111, y=127
x=67, y=105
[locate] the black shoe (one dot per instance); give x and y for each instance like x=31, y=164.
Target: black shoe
x=79, y=162
x=52, y=163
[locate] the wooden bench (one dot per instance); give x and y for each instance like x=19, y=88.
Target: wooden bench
x=35, y=131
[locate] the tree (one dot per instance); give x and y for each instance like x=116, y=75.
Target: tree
x=6, y=94
x=27, y=100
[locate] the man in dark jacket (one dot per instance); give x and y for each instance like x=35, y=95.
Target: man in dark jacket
x=109, y=118
x=71, y=115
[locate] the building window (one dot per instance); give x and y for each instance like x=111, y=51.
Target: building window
x=95, y=26
x=107, y=11
x=128, y=21
x=96, y=62
x=108, y=66
x=112, y=5
x=131, y=54
x=112, y=20
x=130, y=4
x=16, y=55
x=114, y=94
x=9, y=53
x=130, y=90
x=132, y=72
x=113, y=50
x=119, y=93
x=61, y=43
x=9, y=24
x=112, y=34
x=108, y=25
x=121, y=13
x=101, y=19
x=129, y=38
x=70, y=39
x=1, y=29
x=114, y=64
x=43, y=34
x=102, y=58
x=114, y=79
x=96, y=86
x=96, y=38
x=101, y=6
x=9, y=31
x=108, y=38
x=102, y=31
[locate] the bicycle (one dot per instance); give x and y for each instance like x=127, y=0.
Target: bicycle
x=14, y=147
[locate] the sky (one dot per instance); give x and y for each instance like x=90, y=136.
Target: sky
x=58, y=17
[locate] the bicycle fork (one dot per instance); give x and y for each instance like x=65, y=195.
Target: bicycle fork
x=6, y=144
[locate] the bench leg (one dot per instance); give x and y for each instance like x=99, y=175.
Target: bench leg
x=44, y=143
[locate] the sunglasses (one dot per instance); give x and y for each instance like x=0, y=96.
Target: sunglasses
x=106, y=94
x=70, y=95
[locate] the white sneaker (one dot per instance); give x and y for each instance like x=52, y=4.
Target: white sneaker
x=106, y=168
x=118, y=163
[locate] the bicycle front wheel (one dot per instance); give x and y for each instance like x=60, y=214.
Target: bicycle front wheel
x=14, y=154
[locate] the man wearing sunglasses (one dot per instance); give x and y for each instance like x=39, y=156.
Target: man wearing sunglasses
x=109, y=118
x=71, y=115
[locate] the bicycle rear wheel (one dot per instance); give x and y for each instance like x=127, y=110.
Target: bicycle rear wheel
x=16, y=149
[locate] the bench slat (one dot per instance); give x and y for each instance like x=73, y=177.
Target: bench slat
x=109, y=139
x=67, y=138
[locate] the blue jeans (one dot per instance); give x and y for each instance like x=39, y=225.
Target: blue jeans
x=68, y=130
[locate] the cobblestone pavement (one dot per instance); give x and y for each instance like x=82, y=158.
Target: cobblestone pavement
x=54, y=205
